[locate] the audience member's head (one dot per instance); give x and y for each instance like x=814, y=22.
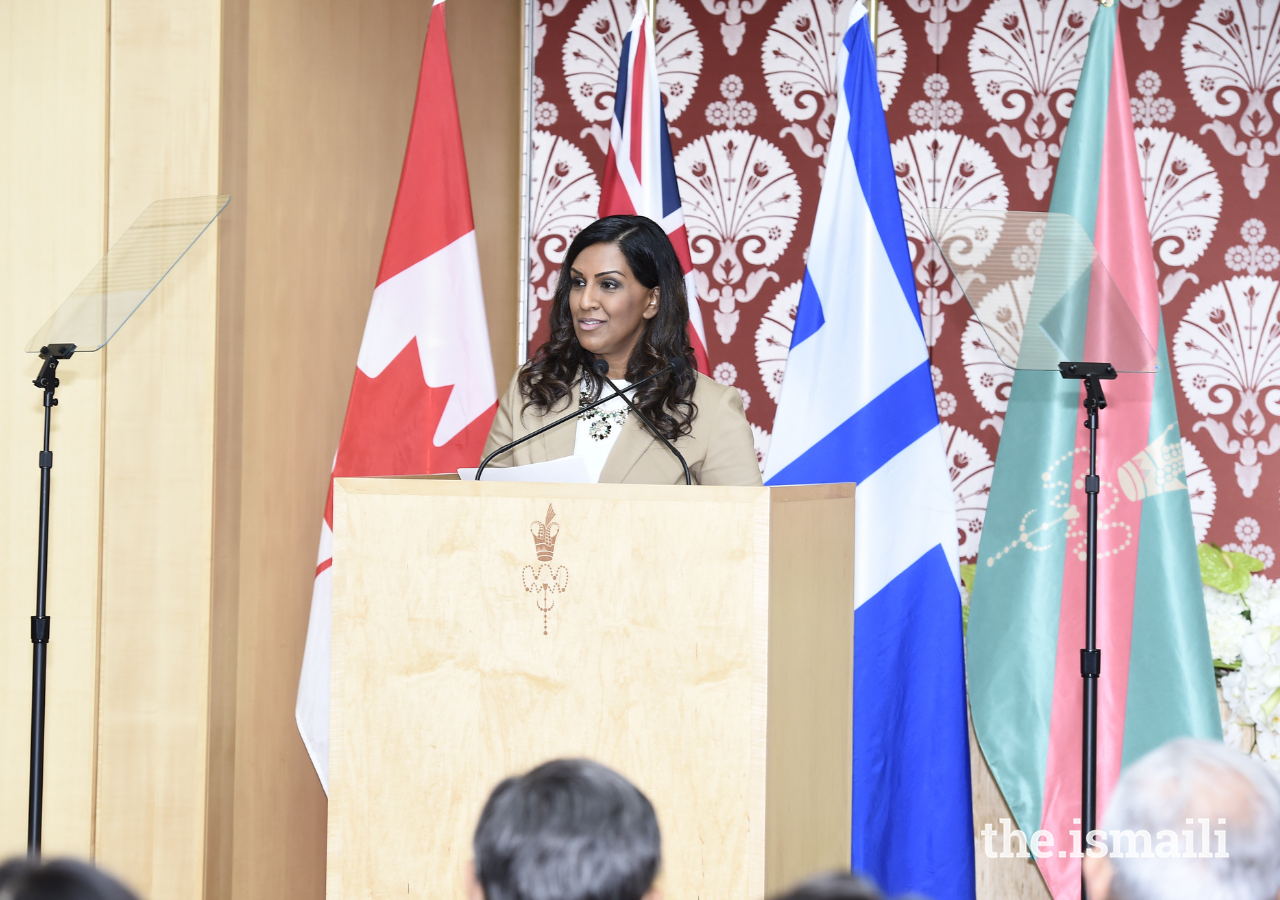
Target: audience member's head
x=1192, y=781
x=836, y=886
x=571, y=829
x=60, y=879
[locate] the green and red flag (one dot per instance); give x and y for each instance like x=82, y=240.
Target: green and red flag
x=1026, y=625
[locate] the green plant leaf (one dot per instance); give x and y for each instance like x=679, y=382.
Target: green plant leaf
x=1243, y=561
x=1228, y=572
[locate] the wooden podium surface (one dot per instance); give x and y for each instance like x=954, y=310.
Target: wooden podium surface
x=698, y=640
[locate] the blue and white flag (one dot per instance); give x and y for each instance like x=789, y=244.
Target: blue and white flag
x=857, y=405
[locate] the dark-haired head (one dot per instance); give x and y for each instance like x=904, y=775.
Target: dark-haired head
x=629, y=306
x=571, y=829
x=835, y=886
x=59, y=879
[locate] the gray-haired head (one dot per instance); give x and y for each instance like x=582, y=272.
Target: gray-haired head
x=1195, y=780
x=571, y=829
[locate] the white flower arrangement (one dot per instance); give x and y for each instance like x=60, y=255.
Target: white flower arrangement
x=1227, y=626
x=1243, y=612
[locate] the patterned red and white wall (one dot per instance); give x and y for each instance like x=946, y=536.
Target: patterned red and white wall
x=977, y=95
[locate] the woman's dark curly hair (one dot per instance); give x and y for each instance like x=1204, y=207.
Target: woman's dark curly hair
x=561, y=362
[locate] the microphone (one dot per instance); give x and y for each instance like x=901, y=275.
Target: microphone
x=601, y=368
x=676, y=365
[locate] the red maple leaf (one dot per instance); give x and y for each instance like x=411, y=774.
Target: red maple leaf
x=391, y=422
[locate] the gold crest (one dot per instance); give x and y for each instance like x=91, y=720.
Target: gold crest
x=544, y=535
x=545, y=582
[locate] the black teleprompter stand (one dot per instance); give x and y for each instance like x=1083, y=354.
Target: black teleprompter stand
x=47, y=382
x=1092, y=374
x=130, y=272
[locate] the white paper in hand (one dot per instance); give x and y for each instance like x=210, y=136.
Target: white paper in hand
x=566, y=470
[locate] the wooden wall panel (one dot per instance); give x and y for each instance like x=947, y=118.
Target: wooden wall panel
x=192, y=456
x=997, y=878
x=52, y=156
x=158, y=460
x=227, y=464
x=810, y=636
x=332, y=84
x=329, y=96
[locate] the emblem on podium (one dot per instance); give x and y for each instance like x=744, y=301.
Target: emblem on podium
x=544, y=581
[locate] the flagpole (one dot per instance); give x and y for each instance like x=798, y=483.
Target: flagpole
x=652, y=7
x=873, y=20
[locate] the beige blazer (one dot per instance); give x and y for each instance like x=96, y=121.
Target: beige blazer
x=719, y=449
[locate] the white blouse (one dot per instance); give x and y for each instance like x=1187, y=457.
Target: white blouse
x=598, y=430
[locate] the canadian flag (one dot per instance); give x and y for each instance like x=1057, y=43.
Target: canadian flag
x=640, y=173
x=424, y=395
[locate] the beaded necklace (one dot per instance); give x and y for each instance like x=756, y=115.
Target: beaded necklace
x=600, y=424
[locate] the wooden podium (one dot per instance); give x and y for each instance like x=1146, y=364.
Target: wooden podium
x=698, y=640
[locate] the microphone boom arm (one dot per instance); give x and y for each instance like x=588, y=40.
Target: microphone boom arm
x=641, y=416
x=573, y=415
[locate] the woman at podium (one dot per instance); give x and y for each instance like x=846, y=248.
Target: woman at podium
x=621, y=299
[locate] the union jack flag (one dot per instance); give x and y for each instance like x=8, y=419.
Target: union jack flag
x=640, y=175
